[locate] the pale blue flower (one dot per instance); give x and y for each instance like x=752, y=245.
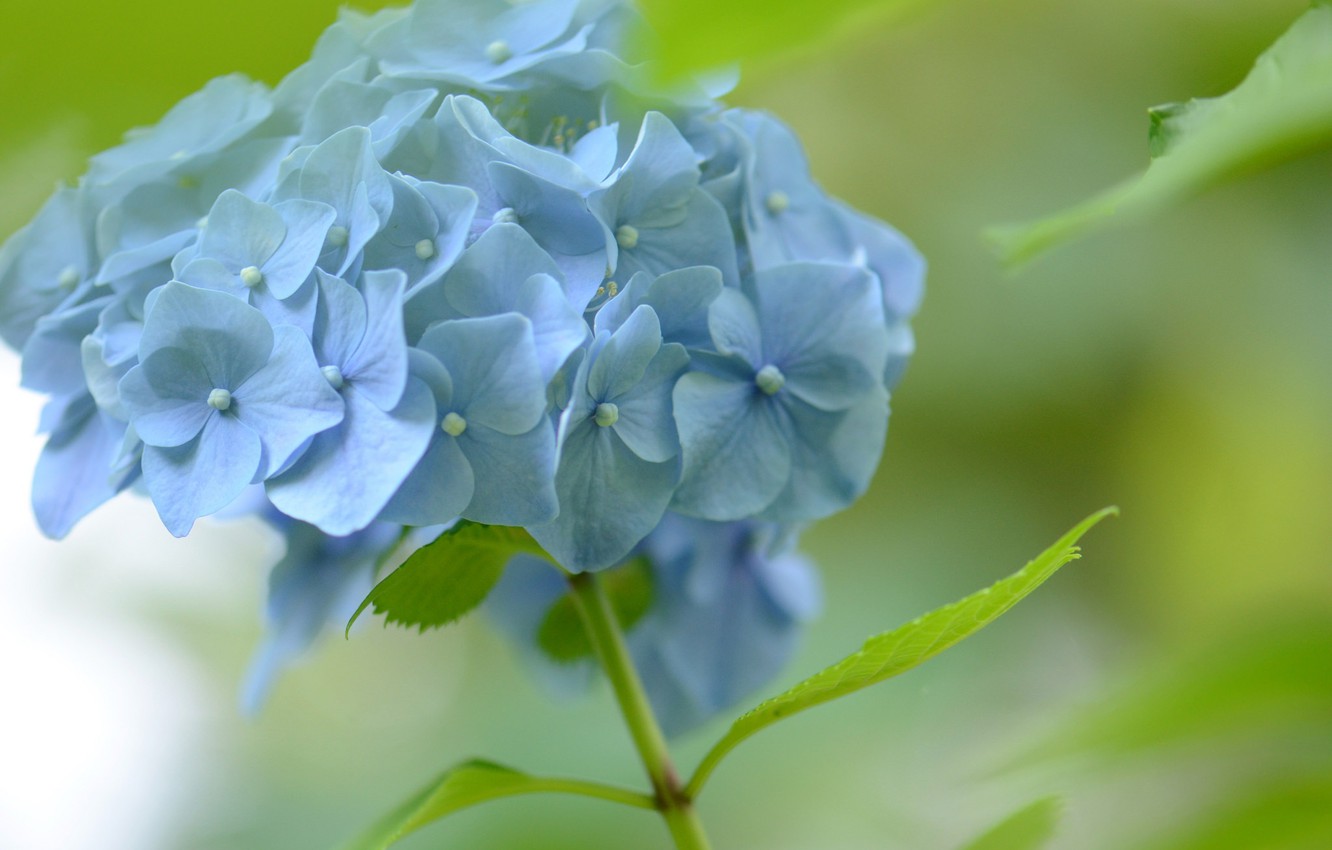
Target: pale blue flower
x=618, y=446
x=343, y=173
x=659, y=218
x=79, y=467
x=221, y=399
x=504, y=271
x=788, y=422
x=516, y=183
x=426, y=232
x=350, y=471
x=477, y=42
x=220, y=115
x=264, y=249
x=316, y=586
x=388, y=115
x=727, y=615
x=48, y=264
x=156, y=220
x=492, y=456
x=680, y=299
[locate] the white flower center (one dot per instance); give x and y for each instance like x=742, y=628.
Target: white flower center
x=777, y=202
x=338, y=236
x=453, y=425
x=770, y=379
x=499, y=52
x=505, y=216
x=219, y=399
x=607, y=414
x=627, y=236
x=251, y=276
x=69, y=278
x=425, y=249
x=334, y=376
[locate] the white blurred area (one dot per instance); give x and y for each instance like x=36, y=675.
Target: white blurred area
x=101, y=712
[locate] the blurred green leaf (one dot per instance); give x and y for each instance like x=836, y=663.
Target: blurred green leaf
x=449, y=576
x=1289, y=815
x=898, y=651
x=1029, y=828
x=1283, y=107
x=562, y=635
x=700, y=35
x=474, y=782
x=1257, y=683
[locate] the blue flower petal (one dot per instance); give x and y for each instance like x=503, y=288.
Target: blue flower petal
x=350, y=472
x=166, y=396
x=734, y=445
x=515, y=475
x=497, y=380
x=626, y=355
x=437, y=491
x=74, y=472
x=610, y=499
x=230, y=338
x=378, y=366
x=204, y=475
x=645, y=422
x=288, y=401
x=734, y=325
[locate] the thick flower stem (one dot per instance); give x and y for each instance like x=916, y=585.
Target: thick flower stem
x=603, y=630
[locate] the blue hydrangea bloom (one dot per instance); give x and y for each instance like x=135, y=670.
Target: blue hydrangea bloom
x=471, y=261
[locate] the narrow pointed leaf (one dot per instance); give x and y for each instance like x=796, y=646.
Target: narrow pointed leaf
x=1283, y=108
x=448, y=577
x=474, y=782
x=1029, y=828
x=562, y=636
x=903, y=648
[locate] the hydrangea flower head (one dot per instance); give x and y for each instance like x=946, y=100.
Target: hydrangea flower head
x=467, y=262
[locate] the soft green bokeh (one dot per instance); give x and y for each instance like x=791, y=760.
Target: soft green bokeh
x=1181, y=370
x=1282, y=108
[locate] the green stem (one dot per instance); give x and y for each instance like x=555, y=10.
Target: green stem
x=603, y=629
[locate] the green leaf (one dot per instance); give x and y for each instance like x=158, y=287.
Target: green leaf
x=1283, y=108
x=1029, y=828
x=699, y=35
x=448, y=577
x=476, y=782
x=1279, y=813
x=897, y=651
x=562, y=635
x=1252, y=686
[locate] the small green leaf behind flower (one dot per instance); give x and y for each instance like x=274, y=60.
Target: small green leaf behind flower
x=1281, y=109
x=474, y=782
x=1029, y=828
x=562, y=636
x=448, y=577
x=898, y=651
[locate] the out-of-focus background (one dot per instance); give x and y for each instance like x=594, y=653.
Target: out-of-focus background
x=1175, y=687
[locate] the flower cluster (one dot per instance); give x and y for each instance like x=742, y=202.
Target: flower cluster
x=467, y=262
